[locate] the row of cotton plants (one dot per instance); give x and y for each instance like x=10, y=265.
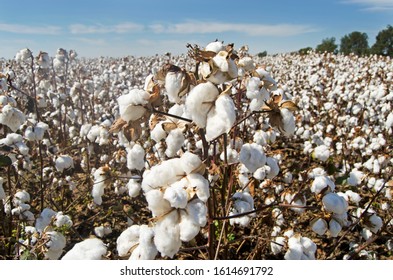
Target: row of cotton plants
x=215, y=154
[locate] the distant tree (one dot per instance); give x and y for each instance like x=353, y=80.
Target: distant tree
x=305, y=50
x=262, y=54
x=384, y=42
x=327, y=45
x=355, y=42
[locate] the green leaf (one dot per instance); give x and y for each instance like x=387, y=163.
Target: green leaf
x=5, y=161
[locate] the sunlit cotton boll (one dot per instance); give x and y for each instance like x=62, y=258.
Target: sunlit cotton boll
x=243, y=202
x=56, y=243
x=176, y=194
x=12, y=117
x=36, y=133
x=127, y=239
x=136, y=157
x=174, y=142
x=146, y=250
x=198, y=182
x=200, y=101
x=167, y=234
x=320, y=183
x=89, y=249
x=321, y=153
x=63, y=220
x=252, y=156
x=221, y=118
x=100, y=182
x=319, y=226
x=374, y=223
x=23, y=55
x=288, y=121
x=277, y=245
x=192, y=219
x=64, y=162
x=273, y=170
x=190, y=162
x=102, y=230
x=21, y=197
x=44, y=219
x=134, y=188
x=131, y=104
x=355, y=177
x=334, y=203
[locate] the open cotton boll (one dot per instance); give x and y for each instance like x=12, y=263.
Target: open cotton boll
x=131, y=104
x=134, y=188
x=309, y=247
x=173, y=85
x=295, y=251
x=36, y=132
x=320, y=183
x=355, y=177
x=156, y=202
x=221, y=118
x=389, y=121
x=232, y=155
x=21, y=197
x=136, y=157
x=216, y=47
x=353, y=196
x=190, y=162
x=55, y=245
x=100, y=182
x=374, y=223
x=274, y=168
x=102, y=230
x=177, y=195
x=167, y=234
x=200, y=101
x=261, y=138
x=334, y=228
x=174, y=142
x=288, y=121
x=64, y=162
x=146, y=250
x=44, y=219
x=158, y=133
x=197, y=181
x=89, y=249
x=321, y=153
x=252, y=156
x=188, y=229
x=334, y=203
x=12, y=117
x=243, y=202
x=277, y=245
x=319, y=226
x=127, y=239
x=63, y=220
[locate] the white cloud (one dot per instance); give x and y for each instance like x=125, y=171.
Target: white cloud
x=202, y=27
x=373, y=5
x=125, y=27
x=29, y=29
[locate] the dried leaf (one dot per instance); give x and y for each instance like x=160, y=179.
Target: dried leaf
x=287, y=104
x=117, y=125
x=168, y=126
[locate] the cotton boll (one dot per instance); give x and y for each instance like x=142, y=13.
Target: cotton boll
x=221, y=118
x=260, y=173
x=277, y=245
x=127, y=239
x=131, y=104
x=44, y=219
x=216, y=47
x=188, y=229
x=334, y=203
x=200, y=101
x=174, y=142
x=231, y=154
x=374, y=223
x=176, y=195
x=158, y=133
x=21, y=197
x=355, y=177
x=100, y=182
x=334, y=228
x=12, y=117
x=167, y=234
x=134, y=188
x=274, y=168
x=261, y=138
x=136, y=157
x=156, y=202
x=252, y=156
x=102, y=230
x=55, y=245
x=295, y=250
x=243, y=202
x=190, y=162
x=321, y=153
x=146, y=250
x=288, y=121
x=64, y=162
x=320, y=183
x=319, y=226
x=201, y=185
x=63, y=220
x=309, y=247
x=173, y=85
x=89, y=249
x=389, y=121
x=353, y=196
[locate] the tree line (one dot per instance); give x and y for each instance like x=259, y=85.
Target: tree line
x=357, y=43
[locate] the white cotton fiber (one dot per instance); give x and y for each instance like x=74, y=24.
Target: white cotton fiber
x=89, y=249
x=176, y=195
x=173, y=84
x=146, y=250
x=127, y=239
x=174, y=142
x=130, y=105
x=190, y=162
x=320, y=183
x=252, y=156
x=136, y=157
x=167, y=234
x=188, y=229
x=62, y=220
x=64, y=162
x=44, y=219
x=200, y=101
x=134, y=188
x=55, y=245
x=334, y=203
x=201, y=184
x=221, y=118
x=156, y=202
x=319, y=226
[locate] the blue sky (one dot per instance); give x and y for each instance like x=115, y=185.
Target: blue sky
x=143, y=28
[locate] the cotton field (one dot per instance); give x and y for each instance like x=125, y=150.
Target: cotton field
x=214, y=154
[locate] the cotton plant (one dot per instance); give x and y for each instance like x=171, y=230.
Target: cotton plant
x=243, y=202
